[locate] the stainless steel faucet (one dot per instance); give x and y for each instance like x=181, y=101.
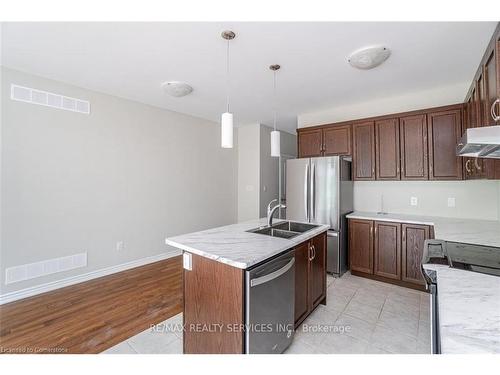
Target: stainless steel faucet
x=271, y=211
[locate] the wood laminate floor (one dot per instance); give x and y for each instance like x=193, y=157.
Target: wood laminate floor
x=93, y=316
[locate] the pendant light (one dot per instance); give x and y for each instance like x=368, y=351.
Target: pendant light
x=275, y=134
x=227, y=117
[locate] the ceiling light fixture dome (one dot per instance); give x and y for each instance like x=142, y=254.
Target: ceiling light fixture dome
x=177, y=89
x=369, y=57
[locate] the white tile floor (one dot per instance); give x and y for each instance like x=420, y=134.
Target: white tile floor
x=363, y=317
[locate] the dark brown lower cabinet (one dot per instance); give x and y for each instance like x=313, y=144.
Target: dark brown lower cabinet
x=388, y=251
x=213, y=293
x=413, y=238
x=361, y=245
x=317, y=275
x=310, y=276
x=301, y=281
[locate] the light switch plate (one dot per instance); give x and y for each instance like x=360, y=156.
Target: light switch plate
x=451, y=202
x=414, y=201
x=187, y=260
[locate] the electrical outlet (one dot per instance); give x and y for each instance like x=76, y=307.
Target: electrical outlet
x=451, y=202
x=120, y=246
x=414, y=201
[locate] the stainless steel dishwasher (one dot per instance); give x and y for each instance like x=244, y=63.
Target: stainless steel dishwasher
x=270, y=304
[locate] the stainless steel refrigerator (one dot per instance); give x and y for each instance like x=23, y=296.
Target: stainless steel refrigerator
x=320, y=191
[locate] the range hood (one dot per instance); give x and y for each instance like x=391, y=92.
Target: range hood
x=481, y=142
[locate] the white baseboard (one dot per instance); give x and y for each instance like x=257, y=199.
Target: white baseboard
x=47, y=287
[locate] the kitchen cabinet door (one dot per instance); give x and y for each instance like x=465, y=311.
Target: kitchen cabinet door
x=444, y=132
x=317, y=279
x=361, y=245
x=387, y=250
x=364, y=150
x=310, y=143
x=491, y=90
x=301, y=281
x=414, y=151
x=387, y=149
x=337, y=140
x=413, y=237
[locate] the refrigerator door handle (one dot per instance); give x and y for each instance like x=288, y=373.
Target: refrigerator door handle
x=306, y=189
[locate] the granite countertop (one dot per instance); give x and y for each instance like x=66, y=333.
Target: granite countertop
x=470, y=231
x=469, y=310
x=233, y=245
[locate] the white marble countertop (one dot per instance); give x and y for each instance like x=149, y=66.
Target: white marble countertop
x=233, y=245
x=469, y=311
x=470, y=231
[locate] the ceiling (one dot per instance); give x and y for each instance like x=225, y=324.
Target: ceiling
x=132, y=60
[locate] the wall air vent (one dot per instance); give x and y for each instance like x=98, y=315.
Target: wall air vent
x=44, y=267
x=48, y=99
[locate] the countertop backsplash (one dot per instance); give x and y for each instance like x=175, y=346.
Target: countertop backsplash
x=473, y=199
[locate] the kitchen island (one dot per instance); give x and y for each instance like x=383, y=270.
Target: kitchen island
x=217, y=263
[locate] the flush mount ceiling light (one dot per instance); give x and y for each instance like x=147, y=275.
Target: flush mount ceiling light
x=227, y=117
x=177, y=89
x=369, y=57
x=275, y=134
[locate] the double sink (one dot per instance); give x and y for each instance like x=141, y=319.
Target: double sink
x=284, y=229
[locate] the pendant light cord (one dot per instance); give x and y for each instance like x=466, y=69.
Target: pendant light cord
x=274, y=99
x=227, y=76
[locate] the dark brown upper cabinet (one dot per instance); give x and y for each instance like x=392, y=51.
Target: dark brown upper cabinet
x=387, y=149
x=490, y=87
x=310, y=143
x=329, y=140
x=444, y=132
x=414, y=155
x=483, y=92
x=387, y=250
x=337, y=140
x=364, y=150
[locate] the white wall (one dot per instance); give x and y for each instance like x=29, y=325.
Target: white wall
x=474, y=199
x=258, y=173
x=126, y=172
x=269, y=166
x=248, y=171
x=386, y=105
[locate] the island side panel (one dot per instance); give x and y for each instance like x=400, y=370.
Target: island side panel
x=213, y=295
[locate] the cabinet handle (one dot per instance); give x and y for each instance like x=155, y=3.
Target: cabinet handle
x=310, y=253
x=492, y=110
x=467, y=167
x=476, y=164
x=314, y=251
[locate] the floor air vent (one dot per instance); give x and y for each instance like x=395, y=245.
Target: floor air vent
x=48, y=99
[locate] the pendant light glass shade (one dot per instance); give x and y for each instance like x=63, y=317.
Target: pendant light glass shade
x=275, y=143
x=226, y=130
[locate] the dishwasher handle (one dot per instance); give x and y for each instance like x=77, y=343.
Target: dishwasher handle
x=273, y=275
